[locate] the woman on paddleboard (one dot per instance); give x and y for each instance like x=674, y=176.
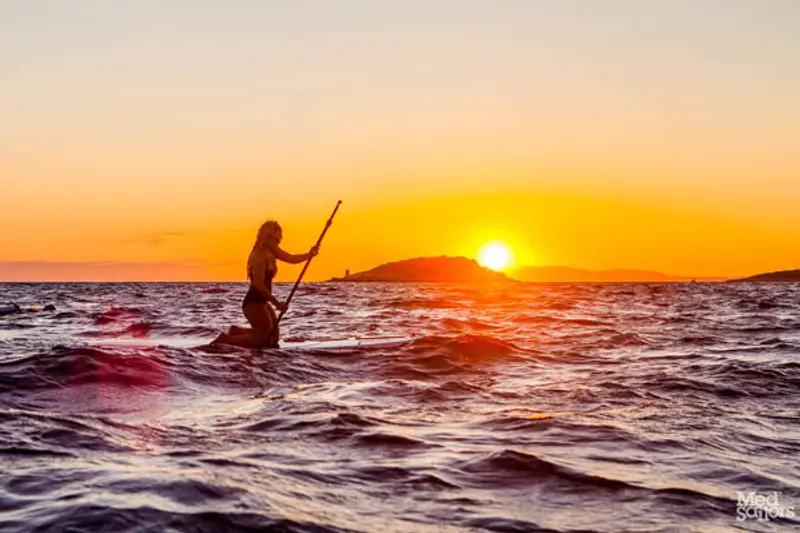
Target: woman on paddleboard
x=259, y=301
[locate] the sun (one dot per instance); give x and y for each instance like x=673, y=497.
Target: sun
x=495, y=255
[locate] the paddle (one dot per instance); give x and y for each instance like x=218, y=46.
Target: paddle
x=305, y=267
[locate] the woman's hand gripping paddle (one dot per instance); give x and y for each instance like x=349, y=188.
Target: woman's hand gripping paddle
x=305, y=267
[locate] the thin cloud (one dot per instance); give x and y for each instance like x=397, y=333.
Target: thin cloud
x=178, y=270
x=156, y=238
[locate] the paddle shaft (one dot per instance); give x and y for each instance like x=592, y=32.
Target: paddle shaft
x=303, y=272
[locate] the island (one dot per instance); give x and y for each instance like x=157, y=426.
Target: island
x=444, y=269
x=780, y=276
x=430, y=269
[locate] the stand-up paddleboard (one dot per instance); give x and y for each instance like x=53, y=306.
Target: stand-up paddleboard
x=320, y=345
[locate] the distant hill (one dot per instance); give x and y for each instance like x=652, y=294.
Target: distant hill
x=567, y=274
x=783, y=275
x=425, y=269
x=461, y=269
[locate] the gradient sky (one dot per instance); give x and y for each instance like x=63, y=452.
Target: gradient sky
x=149, y=139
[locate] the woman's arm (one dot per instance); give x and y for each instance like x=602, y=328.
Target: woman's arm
x=286, y=257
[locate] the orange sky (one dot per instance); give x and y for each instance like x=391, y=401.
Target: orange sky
x=155, y=140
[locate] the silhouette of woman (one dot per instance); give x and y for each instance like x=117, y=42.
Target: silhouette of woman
x=261, y=269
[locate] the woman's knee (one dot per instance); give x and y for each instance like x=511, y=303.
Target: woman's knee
x=268, y=334
x=261, y=336
x=263, y=320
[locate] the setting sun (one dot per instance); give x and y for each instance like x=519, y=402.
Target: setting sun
x=495, y=255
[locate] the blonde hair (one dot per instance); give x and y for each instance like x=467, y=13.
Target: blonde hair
x=268, y=229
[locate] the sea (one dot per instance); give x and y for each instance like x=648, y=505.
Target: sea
x=513, y=408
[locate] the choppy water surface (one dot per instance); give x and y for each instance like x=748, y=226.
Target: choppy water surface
x=587, y=407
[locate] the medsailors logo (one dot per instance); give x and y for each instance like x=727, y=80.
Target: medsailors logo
x=763, y=507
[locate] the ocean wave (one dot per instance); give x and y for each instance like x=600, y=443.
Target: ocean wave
x=68, y=367
x=544, y=407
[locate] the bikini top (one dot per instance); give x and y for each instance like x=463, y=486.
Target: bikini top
x=269, y=272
